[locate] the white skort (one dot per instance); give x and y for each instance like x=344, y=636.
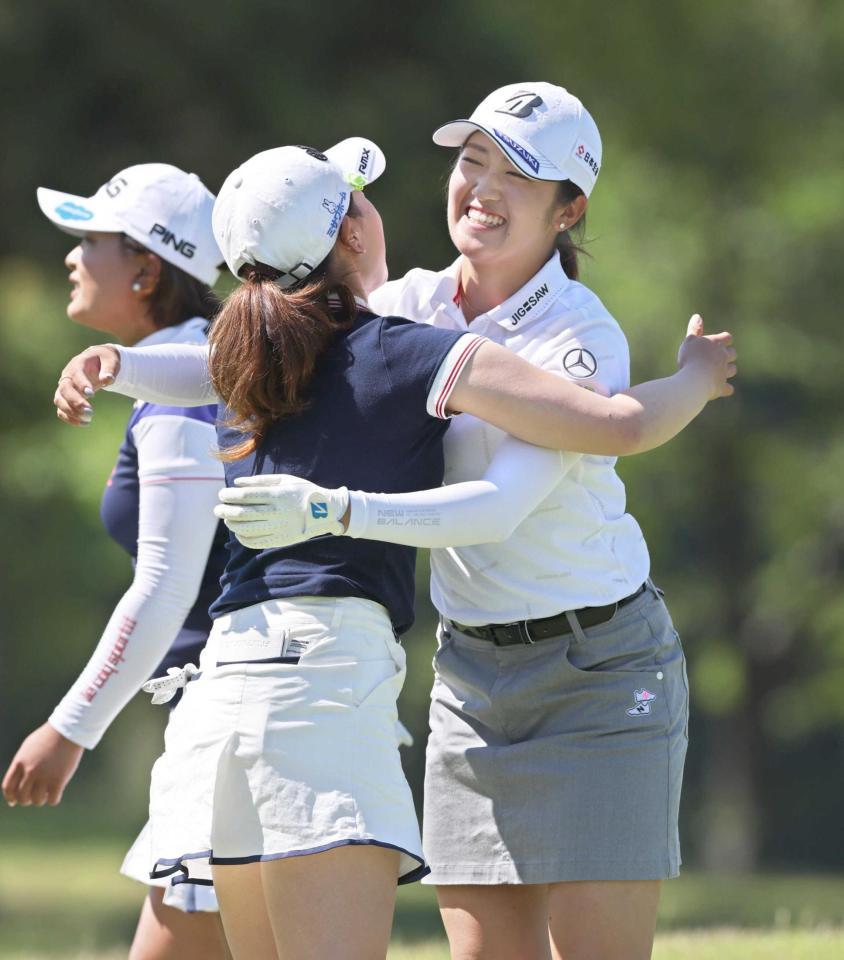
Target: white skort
x=286, y=743
x=189, y=897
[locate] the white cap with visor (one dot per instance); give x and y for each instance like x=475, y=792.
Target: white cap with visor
x=283, y=207
x=542, y=129
x=158, y=205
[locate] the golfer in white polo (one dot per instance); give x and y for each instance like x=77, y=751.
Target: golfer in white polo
x=559, y=707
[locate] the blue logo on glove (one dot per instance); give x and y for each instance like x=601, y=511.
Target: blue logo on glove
x=319, y=511
x=73, y=211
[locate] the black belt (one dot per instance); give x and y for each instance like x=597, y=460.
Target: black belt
x=529, y=631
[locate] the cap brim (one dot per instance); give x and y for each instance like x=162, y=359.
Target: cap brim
x=457, y=132
x=75, y=215
x=360, y=160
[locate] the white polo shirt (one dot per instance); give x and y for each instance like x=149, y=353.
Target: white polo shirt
x=579, y=547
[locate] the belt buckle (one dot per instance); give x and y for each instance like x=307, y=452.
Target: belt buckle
x=522, y=631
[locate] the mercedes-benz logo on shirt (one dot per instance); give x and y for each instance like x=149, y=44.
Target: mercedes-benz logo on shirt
x=580, y=363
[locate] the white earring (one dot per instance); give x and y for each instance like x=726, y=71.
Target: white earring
x=562, y=226
x=136, y=286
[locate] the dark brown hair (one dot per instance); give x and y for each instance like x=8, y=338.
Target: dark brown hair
x=265, y=344
x=567, y=246
x=177, y=295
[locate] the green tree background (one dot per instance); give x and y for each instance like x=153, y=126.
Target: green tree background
x=722, y=191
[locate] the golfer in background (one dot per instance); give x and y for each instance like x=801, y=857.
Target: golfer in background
x=142, y=272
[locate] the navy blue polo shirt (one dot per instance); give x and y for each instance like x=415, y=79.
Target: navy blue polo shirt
x=366, y=427
x=119, y=513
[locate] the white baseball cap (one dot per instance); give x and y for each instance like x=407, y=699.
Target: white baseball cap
x=160, y=206
x=544, y=130
x=283, y=207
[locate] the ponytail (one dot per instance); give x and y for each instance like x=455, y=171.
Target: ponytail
x=265, y=344
x=567, y=246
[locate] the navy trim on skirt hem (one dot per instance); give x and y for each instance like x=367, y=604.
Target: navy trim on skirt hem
x=177, y=865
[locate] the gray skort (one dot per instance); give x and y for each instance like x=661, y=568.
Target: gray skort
x=558, y=761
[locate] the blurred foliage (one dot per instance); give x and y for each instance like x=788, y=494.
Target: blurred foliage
x=722, y=191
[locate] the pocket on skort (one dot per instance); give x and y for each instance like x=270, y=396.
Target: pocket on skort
x=630, y=677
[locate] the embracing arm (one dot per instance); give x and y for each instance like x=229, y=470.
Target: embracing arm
x=275, y=510
x=546, y=409
x=519, y=477
x=174, y=374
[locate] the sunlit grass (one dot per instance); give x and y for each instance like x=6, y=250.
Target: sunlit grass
x=750, y=945
x=718, y=944
x=65, y=899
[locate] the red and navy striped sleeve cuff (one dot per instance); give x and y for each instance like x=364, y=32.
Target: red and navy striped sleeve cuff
x=449, y=373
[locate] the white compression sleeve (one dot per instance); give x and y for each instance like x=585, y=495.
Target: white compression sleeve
x=179, y=480
x=519, y=477
x=171, y=373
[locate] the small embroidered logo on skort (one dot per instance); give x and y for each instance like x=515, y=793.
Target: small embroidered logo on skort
x=643, y=699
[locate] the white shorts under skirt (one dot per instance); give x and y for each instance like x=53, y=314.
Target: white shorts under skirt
x=188, y=897
x=286, y=744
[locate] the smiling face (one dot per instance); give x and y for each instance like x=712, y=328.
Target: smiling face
x=497, y=215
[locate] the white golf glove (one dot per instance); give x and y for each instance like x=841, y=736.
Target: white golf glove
x=163, y=689
x=277, y=510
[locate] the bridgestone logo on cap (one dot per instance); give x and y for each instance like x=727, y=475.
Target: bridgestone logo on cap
x=521, y=104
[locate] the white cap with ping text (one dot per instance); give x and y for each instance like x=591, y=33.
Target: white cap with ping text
x=158, y=205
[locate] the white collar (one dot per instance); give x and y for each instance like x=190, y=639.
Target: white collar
x=524, y=306
x=445, y=291
x=191, y=331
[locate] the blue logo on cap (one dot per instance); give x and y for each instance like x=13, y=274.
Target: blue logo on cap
x=73, y=211
x=319, y=511
x=336, y=209
x=528, y=158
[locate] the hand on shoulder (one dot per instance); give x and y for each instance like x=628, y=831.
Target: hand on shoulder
x=86, y=373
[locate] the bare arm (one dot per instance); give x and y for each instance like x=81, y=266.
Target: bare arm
x=545, y=409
